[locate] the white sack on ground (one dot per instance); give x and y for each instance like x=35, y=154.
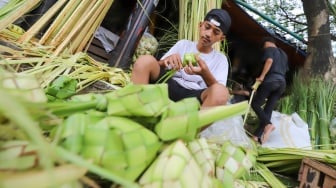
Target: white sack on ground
x=3, y=3
x=290, y=131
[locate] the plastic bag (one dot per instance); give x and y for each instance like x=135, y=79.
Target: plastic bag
x=108, y=39
x=146, y=46
x=290, y=131
x=3, y=3
x=231, y=129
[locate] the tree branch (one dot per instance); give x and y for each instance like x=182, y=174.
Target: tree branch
x=291, y=19
x=333, y=37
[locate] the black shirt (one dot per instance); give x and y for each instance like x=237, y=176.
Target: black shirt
x=279, y=66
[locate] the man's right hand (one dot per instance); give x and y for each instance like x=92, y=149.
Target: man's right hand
x=256, y=84
x=173, y=61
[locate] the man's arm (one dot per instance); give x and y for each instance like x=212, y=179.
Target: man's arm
x=209, y=79
x=267, y=66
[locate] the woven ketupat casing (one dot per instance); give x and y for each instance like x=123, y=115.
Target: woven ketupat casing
x=117, y=144
x=138, y=100
x=233, y=162
x=176, y=167
x=180, y=120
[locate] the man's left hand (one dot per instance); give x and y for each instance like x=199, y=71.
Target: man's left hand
x=201, y=69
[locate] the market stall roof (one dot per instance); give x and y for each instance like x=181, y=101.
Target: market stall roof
x=248, y=29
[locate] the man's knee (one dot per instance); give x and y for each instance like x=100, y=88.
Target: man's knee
x=145, y=60
x=145, y=68
x=218, y=94
x=222, y=94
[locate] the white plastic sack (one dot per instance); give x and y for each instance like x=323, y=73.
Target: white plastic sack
x=227, y=129
x=290, y=131
x=3, y=3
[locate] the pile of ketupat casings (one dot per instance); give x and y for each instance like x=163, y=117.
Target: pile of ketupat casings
x=132, y=136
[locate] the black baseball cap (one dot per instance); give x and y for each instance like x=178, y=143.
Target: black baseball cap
x=220, y=18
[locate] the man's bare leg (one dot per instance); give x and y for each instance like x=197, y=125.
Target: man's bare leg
x=146, y=68
x=267, y=131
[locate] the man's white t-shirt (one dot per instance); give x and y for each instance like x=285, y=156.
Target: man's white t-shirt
x=216, y=62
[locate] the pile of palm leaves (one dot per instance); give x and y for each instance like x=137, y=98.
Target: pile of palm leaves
x=314, y=100
x=59, y=52
x=132, y=136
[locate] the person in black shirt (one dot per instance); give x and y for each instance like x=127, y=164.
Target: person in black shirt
x=273, y=85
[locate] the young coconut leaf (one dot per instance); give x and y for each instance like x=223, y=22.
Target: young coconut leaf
x=183, y=119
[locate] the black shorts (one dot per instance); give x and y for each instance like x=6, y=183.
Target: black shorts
x=176, y=92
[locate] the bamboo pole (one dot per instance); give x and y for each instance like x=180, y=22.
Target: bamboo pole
x=13, y=15
x=88, y=30
x=77, y=28
x=72, y=21
x=42, y=22
x=59, y=21
x=98, y=21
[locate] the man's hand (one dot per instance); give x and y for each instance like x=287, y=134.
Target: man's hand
x=256, y=84
x=201, y=68
x=173, y=61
